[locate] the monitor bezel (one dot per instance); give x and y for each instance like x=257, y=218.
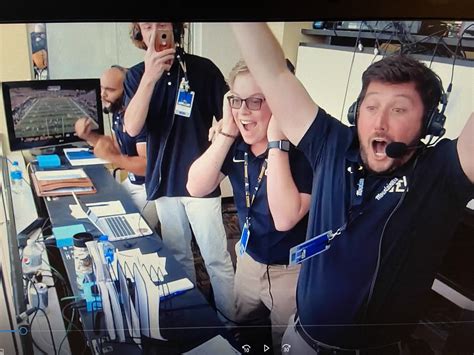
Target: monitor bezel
x=84, y=84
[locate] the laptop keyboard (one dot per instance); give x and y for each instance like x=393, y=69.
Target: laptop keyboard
x=119, y=226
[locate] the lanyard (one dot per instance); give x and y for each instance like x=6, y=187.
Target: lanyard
x=248, y=201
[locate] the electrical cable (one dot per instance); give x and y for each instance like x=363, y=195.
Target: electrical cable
x=350, y=71
x=50, y=330
x=67, y=330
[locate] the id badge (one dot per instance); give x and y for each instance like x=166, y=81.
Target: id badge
x=310, y=248
x=244, y=239
x=184, y=103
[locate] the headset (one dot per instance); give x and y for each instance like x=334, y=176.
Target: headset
x=434, y=119
x=178, y=32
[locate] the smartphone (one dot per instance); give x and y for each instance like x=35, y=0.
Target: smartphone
x=163, y=40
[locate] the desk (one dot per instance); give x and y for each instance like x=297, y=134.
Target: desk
x=186, y=320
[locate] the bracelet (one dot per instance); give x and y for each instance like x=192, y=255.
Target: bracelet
x=227, y=134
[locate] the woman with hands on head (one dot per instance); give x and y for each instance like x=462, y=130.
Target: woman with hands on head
x=271, y=192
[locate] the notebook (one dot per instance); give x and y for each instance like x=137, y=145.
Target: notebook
x=117, y=227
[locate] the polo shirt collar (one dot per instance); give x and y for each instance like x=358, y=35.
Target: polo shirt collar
x=241, y=146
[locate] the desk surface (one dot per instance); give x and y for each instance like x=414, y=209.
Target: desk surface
x=186, y=320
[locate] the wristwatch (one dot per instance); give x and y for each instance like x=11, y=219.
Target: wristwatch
x=283, y=145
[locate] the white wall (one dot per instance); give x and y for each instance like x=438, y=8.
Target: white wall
x=325, y=73
x=216, y=42
x=84, y=50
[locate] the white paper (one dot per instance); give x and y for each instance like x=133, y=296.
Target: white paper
x=109, y=320
x=109, y=208
x=153, y=294
x=216, y=345
x=100, y=209
x=116, y=311
x=60, y=174
x=173, y=287
x=131, y=316
x=85, y=161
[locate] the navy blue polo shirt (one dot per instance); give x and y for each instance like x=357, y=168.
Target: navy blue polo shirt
x=266, y=245
x=128, y=144
x=411, y=229
x=174, y=142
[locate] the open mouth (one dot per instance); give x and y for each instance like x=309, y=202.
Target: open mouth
x=378, y=147
x=248, y=125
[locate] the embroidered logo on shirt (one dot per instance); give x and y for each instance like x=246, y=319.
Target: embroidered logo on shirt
x=395, y=185
x=400, y=186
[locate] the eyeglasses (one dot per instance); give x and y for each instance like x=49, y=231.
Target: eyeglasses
x=252, y=103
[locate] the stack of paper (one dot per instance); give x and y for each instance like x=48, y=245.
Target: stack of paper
x=62, y=182
x=82, y=156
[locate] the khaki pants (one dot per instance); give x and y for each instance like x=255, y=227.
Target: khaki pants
x=261, y=290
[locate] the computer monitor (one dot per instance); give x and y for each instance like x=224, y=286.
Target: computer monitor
x=42, y=113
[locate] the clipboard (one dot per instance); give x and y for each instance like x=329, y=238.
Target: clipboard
x=62, y=182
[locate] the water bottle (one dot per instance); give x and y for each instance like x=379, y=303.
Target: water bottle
x=32, y=257
x=82, y=259
x=16, y=176
x=108, y=248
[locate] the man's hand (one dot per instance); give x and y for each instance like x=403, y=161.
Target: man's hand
x=156, y=63
x=214, y=130
x=83, y=127
x=105, y=148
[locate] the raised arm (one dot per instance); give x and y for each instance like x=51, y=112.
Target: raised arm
x=466, y=148
x=288, y=99
x=156, y=63
x=287, y=204
x=107, y=149
x=83, y=128
x=205, y=173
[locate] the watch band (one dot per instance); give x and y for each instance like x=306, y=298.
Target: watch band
x=283, y=145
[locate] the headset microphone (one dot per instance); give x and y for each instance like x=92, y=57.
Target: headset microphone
x=398, y=149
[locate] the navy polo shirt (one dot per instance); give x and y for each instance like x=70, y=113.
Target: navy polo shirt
x=411, y=229
x=266, y=245
x=128, y=144
x=174, y=142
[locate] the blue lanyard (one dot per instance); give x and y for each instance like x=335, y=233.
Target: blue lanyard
x=248, y=200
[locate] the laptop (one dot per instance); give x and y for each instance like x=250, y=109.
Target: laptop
x=117, y=227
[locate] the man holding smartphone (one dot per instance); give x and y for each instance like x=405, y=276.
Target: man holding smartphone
x=176, y=95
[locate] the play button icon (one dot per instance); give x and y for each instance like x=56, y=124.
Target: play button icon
x=265, y=348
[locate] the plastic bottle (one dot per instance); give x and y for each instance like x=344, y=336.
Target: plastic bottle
x=32, y=257
x=108, y=248
x=82, y=259
x=16, y=176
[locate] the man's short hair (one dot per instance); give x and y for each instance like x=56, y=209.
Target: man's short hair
x=137, y=38
x=398, y=69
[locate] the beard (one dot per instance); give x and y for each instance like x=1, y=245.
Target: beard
x=114, y=107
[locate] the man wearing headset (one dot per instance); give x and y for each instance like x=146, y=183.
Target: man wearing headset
x=125, y=152
x=175, y=95
x=379, y=225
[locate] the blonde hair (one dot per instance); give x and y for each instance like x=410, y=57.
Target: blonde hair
x=135, y=34
x=239, y=68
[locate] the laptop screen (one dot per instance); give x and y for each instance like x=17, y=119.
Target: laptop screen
x=90, y=215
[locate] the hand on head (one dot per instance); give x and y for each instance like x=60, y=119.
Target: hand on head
x=228, y=121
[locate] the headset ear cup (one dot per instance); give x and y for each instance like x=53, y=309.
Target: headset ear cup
x=435, y=125
x=352, y=113
x=137, y=36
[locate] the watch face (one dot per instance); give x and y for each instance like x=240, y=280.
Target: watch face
x=285, y=146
